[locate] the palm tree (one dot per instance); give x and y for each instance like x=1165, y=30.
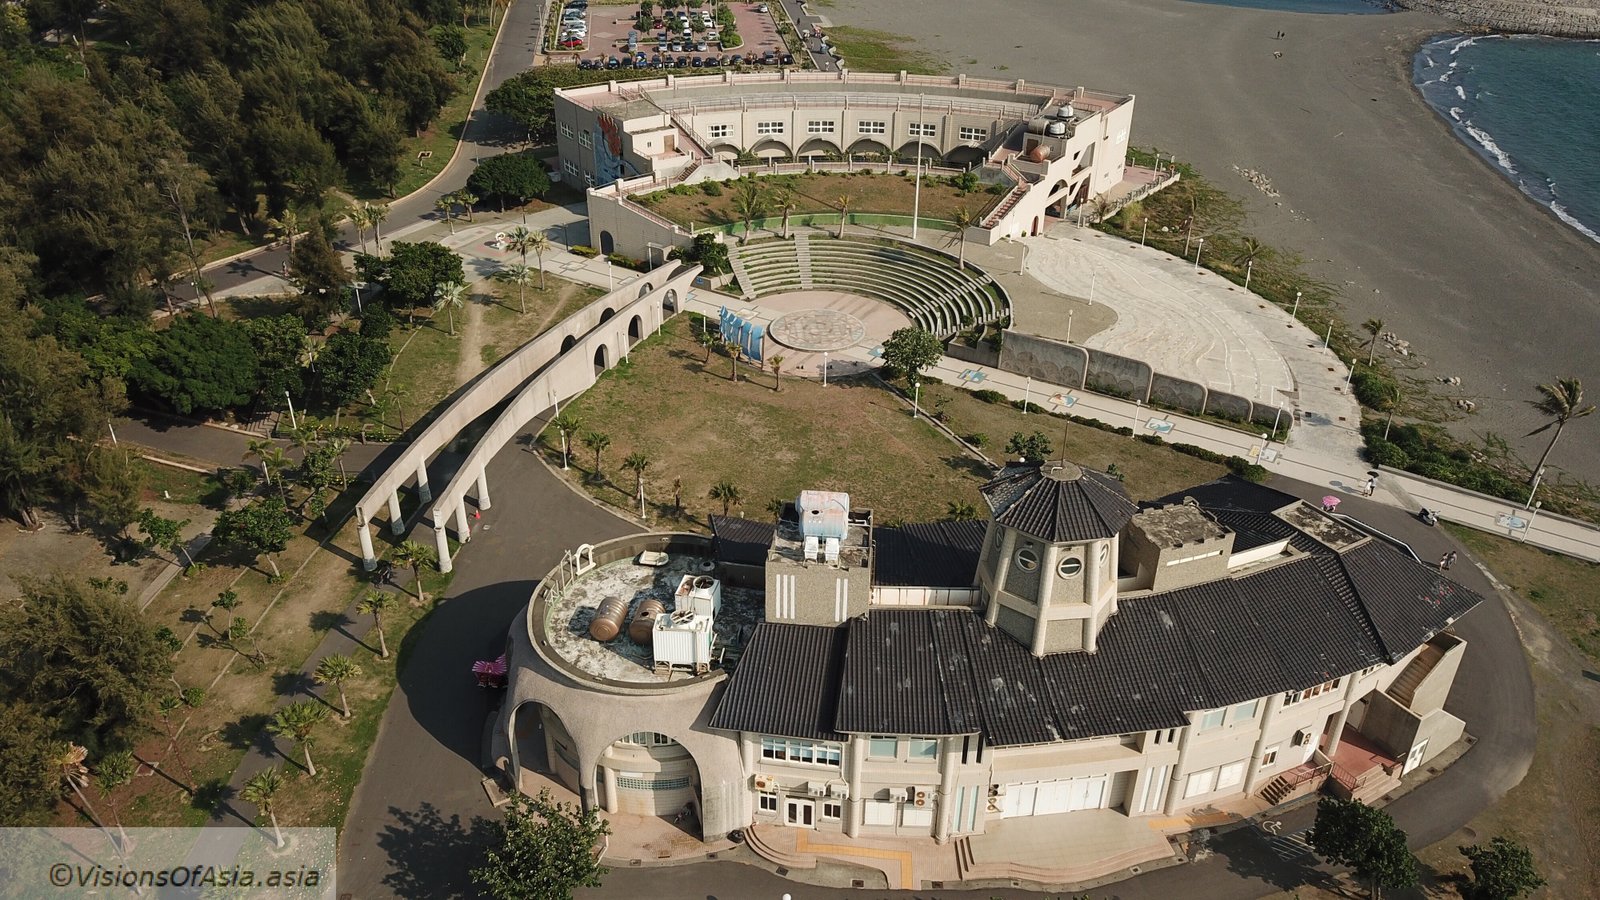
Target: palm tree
x=734, y=352
x=75, y=777
x=1373, y=327
x=310, y=351
x=749, y=202
x=784, y=201
x=289, y=225
x=636, y=463
x=377, y=213
x=358, y=218
x=1251, y=251
x=1563, y=401
x=167, y=706
x=259, y=449
x=539, y=243
x=298, y=722
x=597, y=441
x=960, y=510
x=336, y=670
x=777, y=367
x=450, y=296
x=843, y=201
x=114, y=770
x=467, y=198
x=517, y=240
x=567, y=424
x=447, y=205
x=260, y=789
x=677, y=494
x=521, y=276
x=375, y=603
x=962, y=219
x=709, y=341
x=727, y=492
x=414, y=556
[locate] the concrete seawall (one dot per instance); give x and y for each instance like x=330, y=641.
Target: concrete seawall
x=1559, y=18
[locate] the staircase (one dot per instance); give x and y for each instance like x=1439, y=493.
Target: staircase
x=1404, y=688
x=1367, y=787
x=802, y=255
x=766, y=850
x=745, y=289
x=1295, y=783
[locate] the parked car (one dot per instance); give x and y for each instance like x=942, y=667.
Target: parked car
x=788, y=59
x=761, y=8
x=702, y=46
x=611, y=62
x=571, y=43
x=682, y=63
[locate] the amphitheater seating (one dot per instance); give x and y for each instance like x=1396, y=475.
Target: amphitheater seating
x=927, y=286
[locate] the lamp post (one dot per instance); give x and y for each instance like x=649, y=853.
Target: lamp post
x=824, y=368
x=1069, y=326
x=1295, y=313
x=916, y=196
x=1094, y=279
x=1135, y=428
x=916, y=397
x=1201, y=246
x=1145, y=231
x=1529, y=527
x=1027, y=395
x=1537, y=477
x=1327, y=337
x=294, y=424
x=611, y=280
x=1249, y=266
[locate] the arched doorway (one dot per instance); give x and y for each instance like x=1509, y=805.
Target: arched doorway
x=669, y=302
x=769, y=148
x=608, y=244
x=543, y=747
x=647, y=773
x=819, y=147
x=568, y=342
x=870, y=149
x=911, y=150
x=964, y=157
x=645, y=288
x=635, y=330
x=602, y=359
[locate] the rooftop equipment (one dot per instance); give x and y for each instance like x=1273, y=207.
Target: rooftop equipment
x=699, y=594
x=683, y=638
x=607, y=623
x=644, y=620
x=823, y=514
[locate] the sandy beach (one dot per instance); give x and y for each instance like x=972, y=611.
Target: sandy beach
x=1374, y=189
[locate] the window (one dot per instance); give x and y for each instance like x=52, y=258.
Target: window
x=871, y=128
x=1230, y=775
x=819, y=126
x=646, y=784
x=916, y=816
x=999, y=538
x=1294, y=697
x=585, y=139
x=648, y=739
x=812, y=752
x=1027, y=559
x=1212, y=719
x=769, y=128
x=832, y=810
x=1105, y=555
x=1069, y=567
x=767, y=801
x=566, y=129
x=974, y=134
x=924, y=748
x=882, y=747
x=569, y=167
x=1269, y=757
x=719, y=131
x=1246, y=710
x=1200, y=783
x=923, y=129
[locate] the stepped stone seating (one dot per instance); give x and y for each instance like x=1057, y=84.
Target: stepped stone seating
x=927, y=286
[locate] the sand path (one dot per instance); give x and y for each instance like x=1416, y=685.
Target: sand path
x=469, y=362
x=1375, y=190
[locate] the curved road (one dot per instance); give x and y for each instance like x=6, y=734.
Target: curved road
x=486, y=134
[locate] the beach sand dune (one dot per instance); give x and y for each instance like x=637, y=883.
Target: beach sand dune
x=1375, y=190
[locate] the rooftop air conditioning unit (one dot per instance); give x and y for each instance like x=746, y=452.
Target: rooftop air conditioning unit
x=897, y=795
x=830, y=550
x=817, y=789
x=765, y=783
x=921, y=798
x=839, y=791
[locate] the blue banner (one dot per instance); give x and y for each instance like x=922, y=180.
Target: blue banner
x=748, y=335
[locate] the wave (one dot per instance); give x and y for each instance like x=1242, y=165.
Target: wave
x=1487, y=142
x=1563, y=215
x=1455, y=113
x=1461, y=92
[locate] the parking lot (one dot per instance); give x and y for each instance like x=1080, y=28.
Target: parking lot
x=614, y=40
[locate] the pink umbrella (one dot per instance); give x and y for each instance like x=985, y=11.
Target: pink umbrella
x=1330, y=503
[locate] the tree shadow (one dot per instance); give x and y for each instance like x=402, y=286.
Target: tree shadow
x=974, y=467
x=247, y=732
x=336, y=620
x=431, y=855
x=1251, y=854
x=293, y=684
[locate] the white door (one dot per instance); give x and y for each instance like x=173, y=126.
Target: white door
x=799, y=813
x=1019, y=800
x=1088, y=793
x=1053, y=797
x=1414, y=758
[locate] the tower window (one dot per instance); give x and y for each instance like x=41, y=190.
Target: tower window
x=1069, y=567
x=1027, y=560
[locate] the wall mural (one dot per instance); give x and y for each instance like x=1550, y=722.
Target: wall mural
x=608, y=162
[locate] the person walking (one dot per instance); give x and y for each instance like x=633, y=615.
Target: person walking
x=1446, y=561
x=1372, y=484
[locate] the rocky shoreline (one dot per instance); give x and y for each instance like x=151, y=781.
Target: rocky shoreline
x=1558, y=18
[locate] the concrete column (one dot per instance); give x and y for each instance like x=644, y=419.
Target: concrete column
x=443, y=543
x=483, y=488
x=397, y=520
x=422, y=481
x=586, y=789
x=463, y=527
x=1252, y=771
x=1047, y=589
x=855, y=755
x=1180, y=769
x=1141, y=778
x=1002, y=565
x=1350, y=684
x=369, y=560
x=944, y=824
x=609, y=776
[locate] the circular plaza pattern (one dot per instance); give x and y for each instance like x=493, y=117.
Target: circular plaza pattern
x=817, y=330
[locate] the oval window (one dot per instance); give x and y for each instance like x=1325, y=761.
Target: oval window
x=1027, y=559
x=1069, y=567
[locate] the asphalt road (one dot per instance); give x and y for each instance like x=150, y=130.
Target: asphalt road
x=486, y=134
x=804, y=22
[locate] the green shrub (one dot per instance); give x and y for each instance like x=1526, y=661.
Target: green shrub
x=1153, y=440
x=1210, y=456
x=627, y=262
x=976, y=439
x=990, y=396
x=1372, y=390
x=711, y=189
x=1247, y=470
x=584, y=251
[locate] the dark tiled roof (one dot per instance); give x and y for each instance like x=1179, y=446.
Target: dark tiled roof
x=741, y=541
x=1027, y=497
x=1408, y=603
x=1231, y=492
x=933, y=554
x=892, y=682
x=787, y=683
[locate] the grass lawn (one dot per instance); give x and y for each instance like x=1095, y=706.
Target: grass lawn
x=866, y=50
x=505, y=327
x=440, y=138
x=696, y=425
x=1564, y=589
x=1148, y=471
x=819, y=193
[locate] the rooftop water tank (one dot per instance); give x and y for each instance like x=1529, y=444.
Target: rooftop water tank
x=823, y=514
x=1056, y=128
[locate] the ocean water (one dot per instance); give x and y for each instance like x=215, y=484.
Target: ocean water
x=1531, y=106
x=1333, y=7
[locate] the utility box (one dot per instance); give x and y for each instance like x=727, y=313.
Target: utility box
x=699, y=594
x=683, y=638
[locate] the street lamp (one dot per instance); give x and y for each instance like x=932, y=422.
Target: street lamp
x=1198, y=248
x=294, y=424
x=824, y=368
x=1069, y=326
x=1145, y=231
x=1537, y=477
x=1027, y=395
x=1529, y=527
x=1094, y=278
x=916, y=397
x=1249, y=265
x=1295, y=313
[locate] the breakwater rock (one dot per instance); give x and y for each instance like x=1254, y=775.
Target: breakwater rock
x=1558, y=18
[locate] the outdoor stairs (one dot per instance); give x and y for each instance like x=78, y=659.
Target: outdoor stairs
x=1293, y=784
x=1404, y=688
x=765, y=849
x=1064, y=873
x=745, y=289
x=802, y=255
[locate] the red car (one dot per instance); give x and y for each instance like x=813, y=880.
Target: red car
x=572, y=44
